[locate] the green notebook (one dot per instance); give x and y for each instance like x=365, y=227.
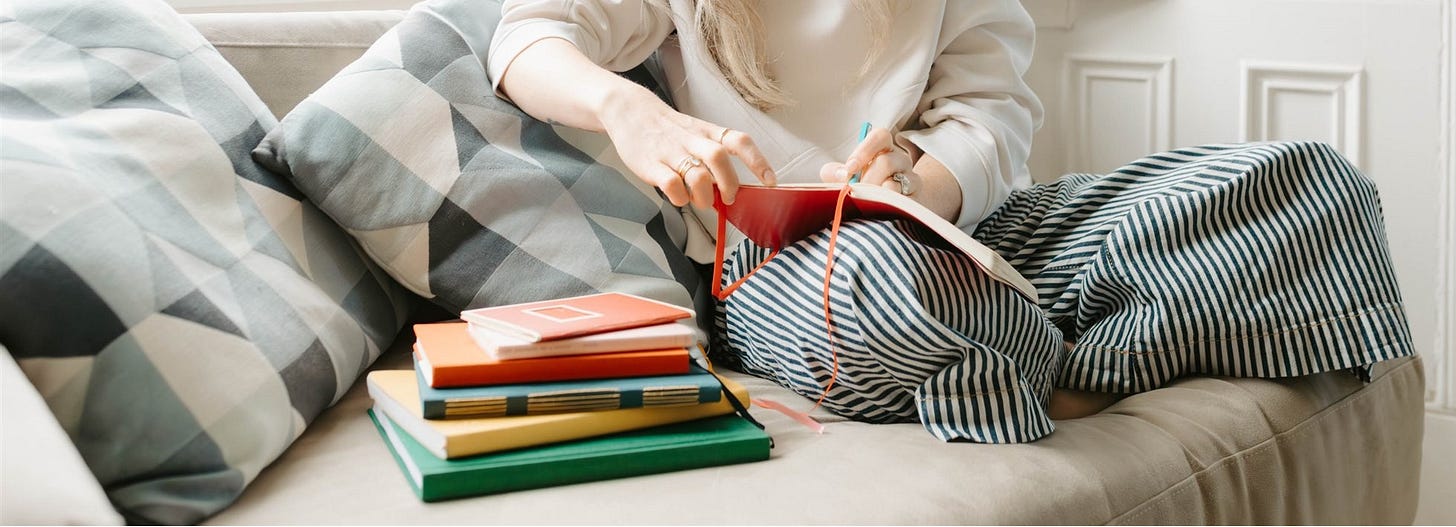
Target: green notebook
x=713, y=441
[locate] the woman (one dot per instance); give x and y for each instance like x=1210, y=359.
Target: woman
x=1264, y=260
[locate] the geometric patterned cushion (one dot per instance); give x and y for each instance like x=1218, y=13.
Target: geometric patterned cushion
x=460, y=195
x=184, y=312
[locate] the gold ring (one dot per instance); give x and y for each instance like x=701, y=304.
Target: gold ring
x=906, y=188
x=723, y=134
x=687, y=164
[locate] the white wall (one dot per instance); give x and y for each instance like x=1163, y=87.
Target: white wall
x=1438, y=481
x=1372, y=77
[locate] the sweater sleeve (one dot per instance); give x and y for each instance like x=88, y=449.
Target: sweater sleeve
x=977, y=114
x=615, y=34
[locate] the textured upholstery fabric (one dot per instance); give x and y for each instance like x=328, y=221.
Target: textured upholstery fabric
x=462, y=197
x=285, y=57
x=1323, y=449
x=183, y=311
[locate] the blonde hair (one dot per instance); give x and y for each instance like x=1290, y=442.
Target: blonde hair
x=733, y=35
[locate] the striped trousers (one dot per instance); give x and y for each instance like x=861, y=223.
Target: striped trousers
x=1257, y=260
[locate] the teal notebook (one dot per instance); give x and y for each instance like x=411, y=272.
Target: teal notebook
x=714, y=441
x=695, y=387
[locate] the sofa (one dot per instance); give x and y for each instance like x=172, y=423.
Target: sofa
x=1327, y=448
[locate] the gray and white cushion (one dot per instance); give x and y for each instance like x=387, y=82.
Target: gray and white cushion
x=462, y=197
x=184, y=312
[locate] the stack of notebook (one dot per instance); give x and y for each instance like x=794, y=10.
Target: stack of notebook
x=557, y=392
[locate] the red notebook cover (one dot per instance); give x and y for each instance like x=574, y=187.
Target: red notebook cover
x=449, y=357
x=778, y=216
x=575, y=316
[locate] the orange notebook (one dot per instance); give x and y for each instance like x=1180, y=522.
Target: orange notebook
x=575, y=316
x=775, y=217
x=448, y=356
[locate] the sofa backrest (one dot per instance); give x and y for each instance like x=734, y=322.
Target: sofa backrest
x=286, y=56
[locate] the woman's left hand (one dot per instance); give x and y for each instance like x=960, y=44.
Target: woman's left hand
x=879, y=162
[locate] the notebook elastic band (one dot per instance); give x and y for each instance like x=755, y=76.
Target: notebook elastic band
x=721, y=293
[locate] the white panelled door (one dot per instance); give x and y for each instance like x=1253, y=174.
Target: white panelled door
x=1122, y=78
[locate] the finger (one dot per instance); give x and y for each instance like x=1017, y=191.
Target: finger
x=699, y=183
x=833, y=173
x=720, y=168
x=742, y=146
x=886, y=165
x=875, y=143
x=671, y=185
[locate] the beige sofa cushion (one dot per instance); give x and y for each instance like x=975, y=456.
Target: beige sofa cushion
x=1316, y=449
x=44, y=477
x=286, y=56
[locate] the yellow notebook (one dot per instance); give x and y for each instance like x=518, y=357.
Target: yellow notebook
x=396, y=393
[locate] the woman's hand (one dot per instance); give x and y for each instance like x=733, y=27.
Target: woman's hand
x=684, y=157
x=920, y=176
x=879, y=162
x=679, y=154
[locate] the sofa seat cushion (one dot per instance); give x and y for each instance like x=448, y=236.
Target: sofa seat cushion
x=1205, y=450
x=461, y=196
x=44, y=477
x=183, y=311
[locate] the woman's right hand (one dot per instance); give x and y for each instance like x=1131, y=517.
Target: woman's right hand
x=684, y=157
x=677, y=153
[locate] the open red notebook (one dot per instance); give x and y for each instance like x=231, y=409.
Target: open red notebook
x=775, y=217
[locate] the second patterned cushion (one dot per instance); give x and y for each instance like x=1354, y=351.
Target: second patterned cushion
x=461, y=196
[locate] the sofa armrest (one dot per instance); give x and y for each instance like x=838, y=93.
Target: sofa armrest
x=45, y=480
x=286, y=56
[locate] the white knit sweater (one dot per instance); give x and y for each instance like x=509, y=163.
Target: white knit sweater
x=949, y=80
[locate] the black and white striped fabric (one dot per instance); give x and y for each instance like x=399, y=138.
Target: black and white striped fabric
x=1257, y=260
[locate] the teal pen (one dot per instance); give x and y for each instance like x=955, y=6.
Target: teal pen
x=864, y=131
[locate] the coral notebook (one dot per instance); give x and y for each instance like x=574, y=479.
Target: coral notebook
x=449, y=357
x=575, y=316
x=775, y=217
x=503, y=346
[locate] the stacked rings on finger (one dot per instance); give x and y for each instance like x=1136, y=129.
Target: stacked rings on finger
x=688, y=163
